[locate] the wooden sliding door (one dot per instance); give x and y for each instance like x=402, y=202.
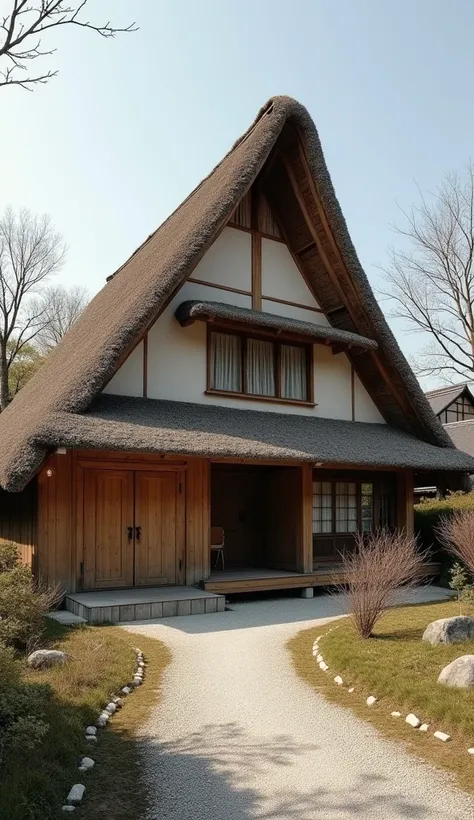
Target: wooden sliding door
x=132, y=525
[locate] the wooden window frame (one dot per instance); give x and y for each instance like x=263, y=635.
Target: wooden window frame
x=277, y=342
x=358, y=480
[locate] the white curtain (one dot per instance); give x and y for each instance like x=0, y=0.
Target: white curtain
x=260, y=367
x=293, y=372
x=226, y=357
x=346, y=507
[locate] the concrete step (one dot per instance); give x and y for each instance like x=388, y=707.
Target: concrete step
x=125, y=605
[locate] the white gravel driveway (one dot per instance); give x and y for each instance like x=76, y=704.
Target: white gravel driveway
x=239, y=736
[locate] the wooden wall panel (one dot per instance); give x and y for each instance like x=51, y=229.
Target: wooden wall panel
x=197, y=520
x=405, y=501
x=18, y=521
x=55, y=531
x=283, y=531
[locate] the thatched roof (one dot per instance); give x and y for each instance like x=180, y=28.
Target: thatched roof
x=442, y=397
x=153, y=426
x=193, y=310
x=282, y=141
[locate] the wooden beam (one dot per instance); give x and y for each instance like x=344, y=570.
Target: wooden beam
x=352, y=392
x=405, y=501
x=256, y=271
x=145, y=366
x=305, y=556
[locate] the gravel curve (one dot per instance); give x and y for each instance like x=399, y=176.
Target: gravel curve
x=239, y=736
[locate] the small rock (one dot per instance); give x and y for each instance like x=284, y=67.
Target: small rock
x=413, y=720
x=91, y=730
x=142, y=664
x=424, y=727
x=449, y=630
x=396, y=714
x=76, y=794
x=118, y=702
x=111, y=708
x=68, y=808
x=319, y=658
x=323, y=666
x=315, y=652
x=87, y=763
x=351, y=690
x=371, y=700
x=471, y=751
x=102, y=721
x=125, y=690
x=459, y=673
x=44, y=658
x=338, y=680
x=91, y=738
x=318, y=638
x=442, y=736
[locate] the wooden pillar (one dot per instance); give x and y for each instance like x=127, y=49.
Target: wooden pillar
x=198, y=518
x=405, y=501
x=305, y=552
x=56, y=536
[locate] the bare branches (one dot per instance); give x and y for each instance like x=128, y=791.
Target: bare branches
x=431, y=285
x=381, y=563
x=456, y=533
x=59, y=308
x=22, y=31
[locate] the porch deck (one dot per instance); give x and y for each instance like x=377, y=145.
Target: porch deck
x=260, y=580
x=119, y=605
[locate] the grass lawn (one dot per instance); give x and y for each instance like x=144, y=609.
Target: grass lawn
x=401, y=671
x=35, y=784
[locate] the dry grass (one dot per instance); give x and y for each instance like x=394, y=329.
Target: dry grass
x=102, y=660
x=456, y=534
x=401, y=670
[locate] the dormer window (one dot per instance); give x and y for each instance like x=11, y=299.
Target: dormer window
x=259, y=367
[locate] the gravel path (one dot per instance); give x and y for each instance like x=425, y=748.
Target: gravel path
x=239, y=736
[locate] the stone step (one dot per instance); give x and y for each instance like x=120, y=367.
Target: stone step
x=125, y=605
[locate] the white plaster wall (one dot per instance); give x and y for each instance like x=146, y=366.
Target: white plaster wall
x=228, y=261
x=365, y=409
x=332, y=384
x=304, y=315
x=128, y=380
x=281, y=277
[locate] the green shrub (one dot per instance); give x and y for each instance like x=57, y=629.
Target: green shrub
x=427, y=517
x=23, y=604
x=21, y=709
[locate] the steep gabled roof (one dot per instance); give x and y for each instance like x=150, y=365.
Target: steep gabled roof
x=442, y=397
x=284, y=142
x=461, y=434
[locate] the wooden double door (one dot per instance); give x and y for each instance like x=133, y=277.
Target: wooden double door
x=133, y=527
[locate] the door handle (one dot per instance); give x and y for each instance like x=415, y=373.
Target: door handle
x=130, y=533
x=138, y=532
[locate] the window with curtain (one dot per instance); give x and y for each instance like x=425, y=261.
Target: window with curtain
x=255, y=366
x=343, y=507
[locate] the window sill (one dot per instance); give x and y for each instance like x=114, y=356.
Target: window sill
x=249, y=396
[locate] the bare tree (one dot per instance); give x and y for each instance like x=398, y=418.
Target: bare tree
x=456, y=533
x=30, y=252
x=23, y=29
x=432, y=283
x=59, y=307
x=381, y=563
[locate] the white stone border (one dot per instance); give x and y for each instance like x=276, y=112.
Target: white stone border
x=77, y=791
x=410, y=719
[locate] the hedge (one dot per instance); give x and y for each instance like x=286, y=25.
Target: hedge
x=427, y=516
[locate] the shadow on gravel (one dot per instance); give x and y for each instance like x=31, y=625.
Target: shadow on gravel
x=223, y=773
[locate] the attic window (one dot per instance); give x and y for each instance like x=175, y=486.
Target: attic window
x=248, y=365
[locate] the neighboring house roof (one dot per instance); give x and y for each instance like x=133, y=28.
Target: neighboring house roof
x=299, y=189
x=442, y=397
x=150, y=425
x=461, y=434
x=193, y=310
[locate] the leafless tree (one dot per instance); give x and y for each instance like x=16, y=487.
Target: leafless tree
x=456, y=533
x=381, y=563
x=23, y=30
x=30, y=252
x=431, y=284
x=60, y=307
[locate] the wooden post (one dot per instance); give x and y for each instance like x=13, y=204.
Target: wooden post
x=305, y=557
x=405, y=511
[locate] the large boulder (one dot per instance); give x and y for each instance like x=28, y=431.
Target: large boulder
x=459, y=673
x=450, y=630
x=44, y=658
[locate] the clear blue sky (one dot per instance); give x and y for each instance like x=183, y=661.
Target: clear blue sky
x=131, y=125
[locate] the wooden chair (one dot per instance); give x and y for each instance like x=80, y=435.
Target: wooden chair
x=217, y=545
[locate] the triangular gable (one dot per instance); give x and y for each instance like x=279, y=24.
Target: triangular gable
x=284, y=142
